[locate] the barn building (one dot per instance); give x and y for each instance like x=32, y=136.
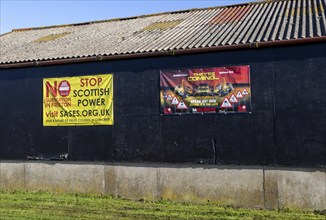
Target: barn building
x=223, y=104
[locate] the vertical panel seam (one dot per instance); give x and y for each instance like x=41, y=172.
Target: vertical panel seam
x=264, y=187
x=325, y=191
x=158, y=185
x=278, y=194
x=25, y=185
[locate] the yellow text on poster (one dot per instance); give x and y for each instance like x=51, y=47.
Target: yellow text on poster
x=78, y=100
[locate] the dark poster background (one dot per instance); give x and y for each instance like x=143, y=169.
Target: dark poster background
x=287, y=124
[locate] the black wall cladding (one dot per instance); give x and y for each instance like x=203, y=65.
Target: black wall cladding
x=287, y=125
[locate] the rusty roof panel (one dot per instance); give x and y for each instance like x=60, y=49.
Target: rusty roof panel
x=268, y=21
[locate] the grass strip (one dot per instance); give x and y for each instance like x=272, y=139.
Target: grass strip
x=45, y=205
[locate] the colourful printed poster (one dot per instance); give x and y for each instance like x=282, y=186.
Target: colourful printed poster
x=207, y=90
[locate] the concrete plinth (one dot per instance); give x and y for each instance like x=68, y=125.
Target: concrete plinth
x=226, y=185
x=62, y=177
x=241, y=186
x=12, y=175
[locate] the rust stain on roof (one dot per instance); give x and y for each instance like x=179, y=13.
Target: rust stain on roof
x=230, y=15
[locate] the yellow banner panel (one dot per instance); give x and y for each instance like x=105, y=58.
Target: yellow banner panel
x=78, y=100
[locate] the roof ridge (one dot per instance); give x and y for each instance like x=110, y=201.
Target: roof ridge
x=142, y=16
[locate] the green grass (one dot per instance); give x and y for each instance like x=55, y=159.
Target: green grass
x=45, y=205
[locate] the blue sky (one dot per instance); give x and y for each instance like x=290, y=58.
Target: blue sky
x=23, y=14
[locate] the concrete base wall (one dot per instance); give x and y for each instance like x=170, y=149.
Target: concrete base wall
x=242, y=186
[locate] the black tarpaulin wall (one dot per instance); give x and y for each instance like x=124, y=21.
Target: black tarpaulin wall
x=287, y=125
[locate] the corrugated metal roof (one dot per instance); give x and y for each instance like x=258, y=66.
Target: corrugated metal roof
x=199, y=28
